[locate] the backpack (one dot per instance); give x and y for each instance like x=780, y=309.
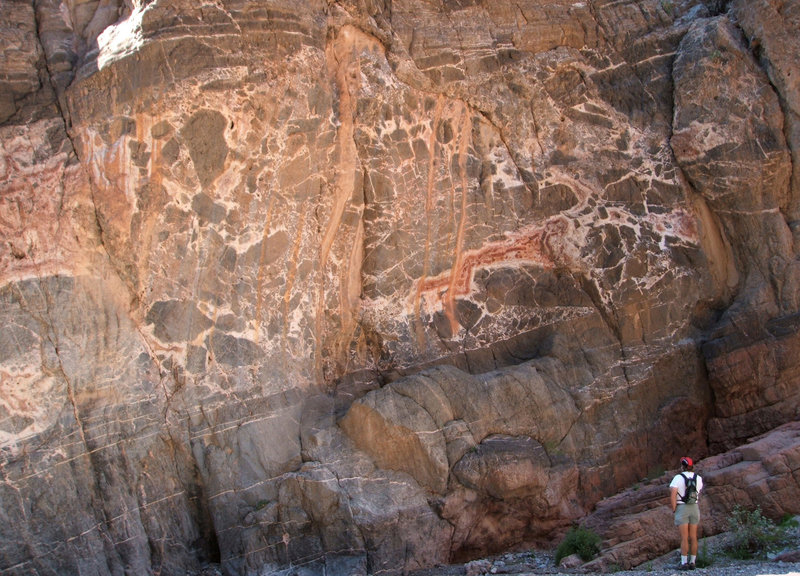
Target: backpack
x=690, y=493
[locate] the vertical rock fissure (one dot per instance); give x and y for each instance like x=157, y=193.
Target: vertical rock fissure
x=62, y=108
x=60, y=98
x=204, y=519
x=347, y=497
x=593, y=291
x=510, y=149
x=790, y=116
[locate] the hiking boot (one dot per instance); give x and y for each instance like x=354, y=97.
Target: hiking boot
x=691, y=566
x=684, y=567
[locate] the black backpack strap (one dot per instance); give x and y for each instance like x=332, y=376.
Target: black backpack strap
x=685, y=488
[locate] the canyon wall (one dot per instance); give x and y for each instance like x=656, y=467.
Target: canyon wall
x=363, y=286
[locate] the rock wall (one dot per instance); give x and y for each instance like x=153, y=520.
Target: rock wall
x=364, y=286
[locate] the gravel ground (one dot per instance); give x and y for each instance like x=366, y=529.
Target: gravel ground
x=535, y=563
x=542, y=562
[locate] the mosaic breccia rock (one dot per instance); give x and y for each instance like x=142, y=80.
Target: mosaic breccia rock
x=363, y=287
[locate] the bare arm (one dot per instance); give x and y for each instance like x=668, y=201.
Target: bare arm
x=673, y=498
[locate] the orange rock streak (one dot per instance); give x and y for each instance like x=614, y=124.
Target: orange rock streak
x=450, y=301
x=437, y=116
x=529, y=246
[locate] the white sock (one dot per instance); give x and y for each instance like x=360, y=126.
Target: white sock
x=683, y=559
x=692, y=559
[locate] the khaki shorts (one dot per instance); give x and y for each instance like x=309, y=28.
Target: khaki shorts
x=687, y=514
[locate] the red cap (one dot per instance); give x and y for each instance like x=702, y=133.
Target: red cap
x=686, y=461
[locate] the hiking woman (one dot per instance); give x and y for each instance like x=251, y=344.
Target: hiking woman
x=684, y=489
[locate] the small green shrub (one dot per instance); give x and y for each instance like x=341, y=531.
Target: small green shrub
x=580, y=541
x=753, y=535
x=704, y=559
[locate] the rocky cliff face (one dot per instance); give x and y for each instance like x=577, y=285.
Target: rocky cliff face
x=363, y=286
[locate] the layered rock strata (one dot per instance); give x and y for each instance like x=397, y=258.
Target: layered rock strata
x=366, y=286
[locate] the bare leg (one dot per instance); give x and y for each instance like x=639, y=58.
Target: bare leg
x=692, y=539
x=684, y=530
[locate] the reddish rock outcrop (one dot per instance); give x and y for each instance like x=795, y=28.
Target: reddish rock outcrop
x=637, y=524
x=367, y=286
